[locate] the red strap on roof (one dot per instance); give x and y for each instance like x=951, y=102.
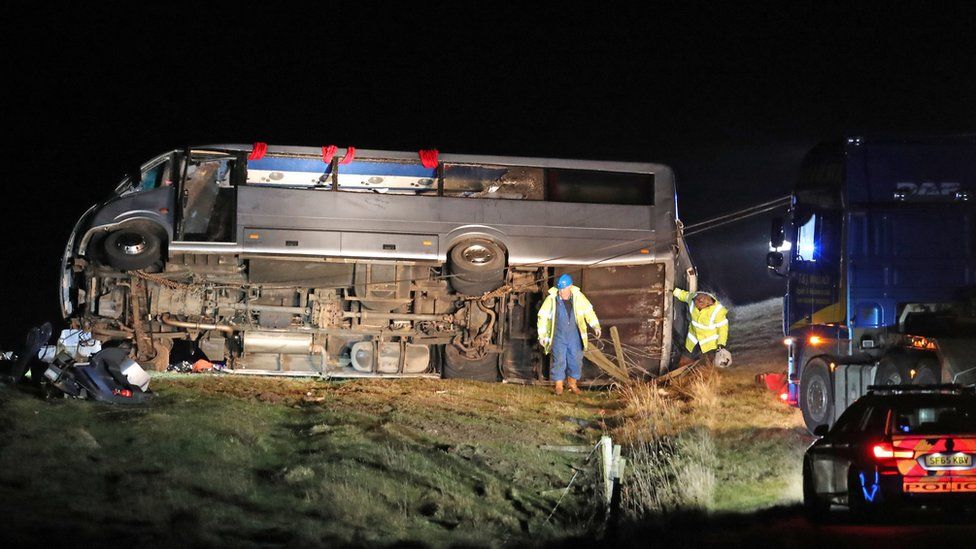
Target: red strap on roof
x=327, y=153
x=350, y=154
x=429, y=158
x=257, y=152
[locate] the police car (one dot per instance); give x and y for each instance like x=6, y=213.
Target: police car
x=898, y=445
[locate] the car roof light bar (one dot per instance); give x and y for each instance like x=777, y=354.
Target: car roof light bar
x=953, y=388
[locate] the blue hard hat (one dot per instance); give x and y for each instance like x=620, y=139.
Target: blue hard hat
x=565, y=281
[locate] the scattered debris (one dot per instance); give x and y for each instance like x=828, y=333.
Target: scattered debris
x=319, y=429
x=568, y=449
x=775, y=382
x=298, y=474
x=79, y=368
x=15, y=370
x=181, y=367
x=200, y=366
x=110, y=377
x=621, y=370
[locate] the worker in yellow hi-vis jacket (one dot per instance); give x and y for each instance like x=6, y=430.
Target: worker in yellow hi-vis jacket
x=708, y=332
x=562, y=321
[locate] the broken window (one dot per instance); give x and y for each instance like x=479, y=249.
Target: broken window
x=208, y=199
x=481, y=181
x=157, y=175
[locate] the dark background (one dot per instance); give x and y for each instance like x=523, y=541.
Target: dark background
x=730, y=97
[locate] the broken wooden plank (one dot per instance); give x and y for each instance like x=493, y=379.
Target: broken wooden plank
x=680, y=371
x=601, y=361
x=615, y=336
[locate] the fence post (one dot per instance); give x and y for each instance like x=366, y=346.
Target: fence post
x=606, y=467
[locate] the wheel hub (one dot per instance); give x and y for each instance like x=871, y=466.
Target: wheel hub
x=817, y=399
x=477, y=254
x=131, y=244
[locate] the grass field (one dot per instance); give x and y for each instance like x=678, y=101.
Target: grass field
x=760, y=439
x=217, y=460
x=227, y=460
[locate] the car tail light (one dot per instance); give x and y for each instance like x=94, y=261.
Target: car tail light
x=885, y=451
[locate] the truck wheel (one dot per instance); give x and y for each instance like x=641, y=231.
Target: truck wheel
x=816, y=396
x=457, y=366
x=889, y=373
x=927, y=372
x=132, y=248
x=476, y=266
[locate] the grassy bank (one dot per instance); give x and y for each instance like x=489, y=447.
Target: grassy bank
x=714, y=441
x=219, y=461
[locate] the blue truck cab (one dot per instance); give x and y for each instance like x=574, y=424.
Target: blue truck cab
x=879, y=251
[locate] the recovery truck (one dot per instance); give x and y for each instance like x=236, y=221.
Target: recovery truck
x=879, y=252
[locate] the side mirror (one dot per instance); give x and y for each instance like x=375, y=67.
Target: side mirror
x=821, y=431
x=777, y=232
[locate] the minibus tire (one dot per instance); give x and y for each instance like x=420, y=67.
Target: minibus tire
x=456, y=366
x=148, y=243
x=468, y=259
x=477, y=287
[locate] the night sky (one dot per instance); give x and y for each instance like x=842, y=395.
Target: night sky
x=731, y=98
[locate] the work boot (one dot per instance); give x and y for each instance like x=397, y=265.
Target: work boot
x=559, y=387
x=572, y=386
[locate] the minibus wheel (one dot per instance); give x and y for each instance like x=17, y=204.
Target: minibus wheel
x=476, y=265
x=457, y=366
x=132, y=248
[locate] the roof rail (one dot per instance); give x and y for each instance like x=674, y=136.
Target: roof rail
x=950, y=388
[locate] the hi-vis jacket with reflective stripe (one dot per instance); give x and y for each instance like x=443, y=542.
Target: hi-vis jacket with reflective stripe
x=709, y=327
x=582, y=309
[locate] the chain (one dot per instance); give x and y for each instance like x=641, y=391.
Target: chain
x=171, y=284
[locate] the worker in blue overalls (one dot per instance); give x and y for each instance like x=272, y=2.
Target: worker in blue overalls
x=562, y=323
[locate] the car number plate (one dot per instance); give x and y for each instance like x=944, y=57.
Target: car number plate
x=952, y=460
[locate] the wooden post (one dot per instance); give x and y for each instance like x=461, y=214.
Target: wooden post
x=619, y=350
